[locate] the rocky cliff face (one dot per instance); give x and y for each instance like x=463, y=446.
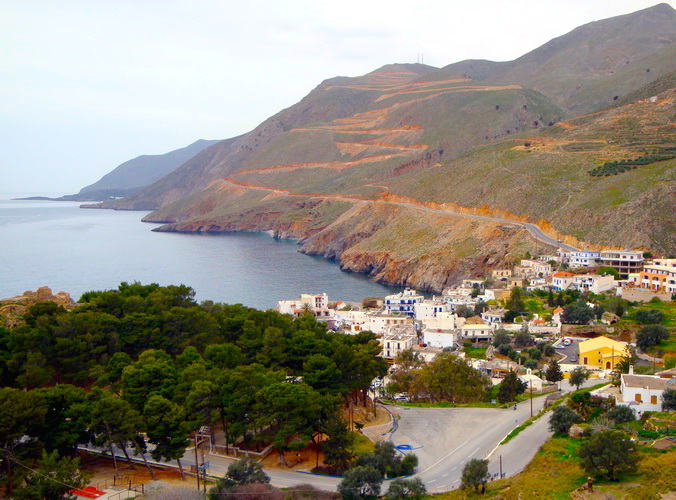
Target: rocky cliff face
x=394, y=245
x=12, y=309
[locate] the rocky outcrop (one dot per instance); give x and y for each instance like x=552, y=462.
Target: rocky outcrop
x=12, y=309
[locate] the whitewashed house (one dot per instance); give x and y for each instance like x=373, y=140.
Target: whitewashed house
x=403, y=302
x=317, y=305
x=584, y=258
x=436, y=337
x=477, y=332
x=493, y=317
x=444, y=321
x=531, y=381
x=393, y=344
x=643, y=392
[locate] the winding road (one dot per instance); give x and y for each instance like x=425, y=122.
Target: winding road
x=444, y=439
x=532, y=229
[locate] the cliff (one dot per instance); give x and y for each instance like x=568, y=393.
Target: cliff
x=12, y=309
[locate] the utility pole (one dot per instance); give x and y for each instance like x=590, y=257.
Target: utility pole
x=531, y=397
x=204, y=468
x=197, y=464
x=500, y=466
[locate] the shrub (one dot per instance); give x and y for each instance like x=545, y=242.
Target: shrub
x=621, y=414
x=609, y=454
x=360, y=482
x=651, y=335
x=669, y=400
x=475, y=474
x=406, y=488
x=653, y=316
x=562, y=419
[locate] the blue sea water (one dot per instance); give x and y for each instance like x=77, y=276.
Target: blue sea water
x=67, y=248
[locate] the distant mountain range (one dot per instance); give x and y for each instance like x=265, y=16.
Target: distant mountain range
x=552, y=137
x=133, y=175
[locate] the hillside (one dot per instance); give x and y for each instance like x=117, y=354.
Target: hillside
x=142, y=171
x=586, y=69
x=354, y=168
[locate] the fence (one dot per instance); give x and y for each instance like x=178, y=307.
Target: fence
x=238, y=452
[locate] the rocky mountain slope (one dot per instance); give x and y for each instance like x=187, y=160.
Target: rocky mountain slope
x=519, y=140
x=142, y=171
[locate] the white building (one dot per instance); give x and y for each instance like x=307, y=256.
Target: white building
x=562, y=280
x=531, y=381
x=529, y=268
x=381, y=323
x=444, y=321
x=584, y=258
x=429, y=309
x=436, y=337
x=659, y=275
x=394, y=344
x=403, y=302
x=625, y=261
x=318, y=305
x=644, y=392
x=583, y=282
x=351, y=322
x=493, y=317
x=477, y=332
x=594, y=283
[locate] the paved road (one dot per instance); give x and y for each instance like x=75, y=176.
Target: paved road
x=444, y=439
x=532, y=229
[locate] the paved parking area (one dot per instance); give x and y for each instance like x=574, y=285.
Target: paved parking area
x=571, y=351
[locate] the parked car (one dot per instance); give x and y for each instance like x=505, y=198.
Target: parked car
x=573, y=360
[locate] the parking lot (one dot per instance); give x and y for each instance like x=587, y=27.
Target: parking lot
x=571, y=352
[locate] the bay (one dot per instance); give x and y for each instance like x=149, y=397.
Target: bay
x=60, y=245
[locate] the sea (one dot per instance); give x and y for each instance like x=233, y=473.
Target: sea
x=58, y=244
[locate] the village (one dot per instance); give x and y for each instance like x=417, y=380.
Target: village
x=566, y=307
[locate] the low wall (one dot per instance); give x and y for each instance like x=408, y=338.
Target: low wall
x=234, y=451
x=643, y=295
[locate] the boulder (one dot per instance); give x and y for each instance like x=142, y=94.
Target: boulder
x=576, y=431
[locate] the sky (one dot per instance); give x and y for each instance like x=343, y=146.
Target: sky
x=88, y=84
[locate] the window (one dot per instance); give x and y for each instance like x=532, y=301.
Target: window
x=637, y=398
x=653, y=400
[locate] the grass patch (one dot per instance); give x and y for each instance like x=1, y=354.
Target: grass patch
x=362, y=445
x=555, y=473
x=475, y=352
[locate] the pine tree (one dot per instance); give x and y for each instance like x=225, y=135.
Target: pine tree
x=553, y=372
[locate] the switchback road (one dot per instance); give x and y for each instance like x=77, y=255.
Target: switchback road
x=532, y=229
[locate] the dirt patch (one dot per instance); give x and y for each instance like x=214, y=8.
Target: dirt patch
x=103, y=472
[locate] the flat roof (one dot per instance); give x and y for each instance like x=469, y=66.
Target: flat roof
x=645, y=381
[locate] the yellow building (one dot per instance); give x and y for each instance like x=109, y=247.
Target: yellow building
x=601, y=352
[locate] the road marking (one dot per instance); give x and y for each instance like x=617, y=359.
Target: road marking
x=471, y=454
x=432, y=481
x=453, y=469
x=445, y=475
x=444, y=457
x=457, y=481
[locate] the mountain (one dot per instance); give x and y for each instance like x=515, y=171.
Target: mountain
x=143, y=170
x=387, y=172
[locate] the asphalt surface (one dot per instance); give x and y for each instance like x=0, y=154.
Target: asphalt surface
x=571, y=352
x=444, y=439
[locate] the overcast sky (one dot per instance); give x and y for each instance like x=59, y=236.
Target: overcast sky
x=86, y=85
